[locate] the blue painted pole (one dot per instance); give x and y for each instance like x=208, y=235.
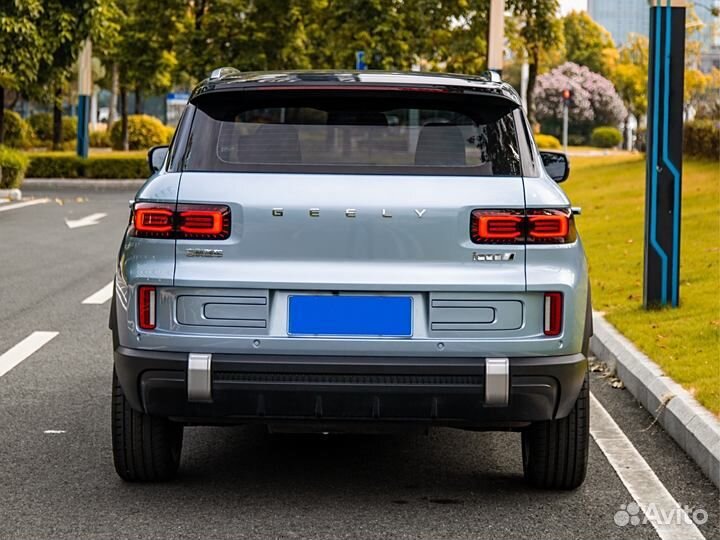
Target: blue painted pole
x=661, y=284
x=84, y=92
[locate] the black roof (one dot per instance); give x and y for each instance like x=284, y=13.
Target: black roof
x=228, y=79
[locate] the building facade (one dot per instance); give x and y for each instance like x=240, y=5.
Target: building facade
x=625, y=17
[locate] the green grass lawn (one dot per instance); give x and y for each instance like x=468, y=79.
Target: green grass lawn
x=685, y=342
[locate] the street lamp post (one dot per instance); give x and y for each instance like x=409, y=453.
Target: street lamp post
x=496, y=36
x=661, y=284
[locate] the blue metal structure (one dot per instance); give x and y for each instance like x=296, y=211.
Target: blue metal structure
x=664, y=154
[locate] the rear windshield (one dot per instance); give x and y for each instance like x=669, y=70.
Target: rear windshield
x=355, y=132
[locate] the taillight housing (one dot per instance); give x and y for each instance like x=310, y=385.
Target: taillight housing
x=553, y=313
x=184, y=221
x=153, y=220
x=146, y=300
x=548, y=226
x=497, y=226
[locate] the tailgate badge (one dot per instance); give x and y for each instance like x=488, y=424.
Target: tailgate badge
x=194, y=252
x=493, y=257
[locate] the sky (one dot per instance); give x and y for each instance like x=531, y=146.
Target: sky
x=569, y=5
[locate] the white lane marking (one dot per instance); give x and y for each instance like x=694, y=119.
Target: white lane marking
x=22, y=350
x=102, y=296
x=23, y=204
x=641, y=482
x=92, y=219
x=54, y=431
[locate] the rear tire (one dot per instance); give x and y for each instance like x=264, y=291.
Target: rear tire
x=555, y=452
x=145, y=448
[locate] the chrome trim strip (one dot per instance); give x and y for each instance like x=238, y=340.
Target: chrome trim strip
x=497, y=382
x=199, y=377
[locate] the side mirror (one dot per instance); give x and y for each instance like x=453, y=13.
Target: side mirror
x=156, y=158
x=556, y=165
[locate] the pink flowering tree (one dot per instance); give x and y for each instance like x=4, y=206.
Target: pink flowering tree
x=594, y=100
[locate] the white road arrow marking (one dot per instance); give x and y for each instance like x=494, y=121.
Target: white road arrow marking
x=92, y=219
x=23, y=204
x=102, y=296
x=22, y=350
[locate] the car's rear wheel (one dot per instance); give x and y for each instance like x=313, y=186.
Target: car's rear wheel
x=145, y=448
x=555, y=453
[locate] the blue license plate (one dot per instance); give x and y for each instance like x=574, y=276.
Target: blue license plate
x=350, y=315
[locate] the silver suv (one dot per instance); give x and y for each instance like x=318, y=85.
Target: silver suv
x=352, y=251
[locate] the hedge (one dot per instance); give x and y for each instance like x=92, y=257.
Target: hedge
x=13, y=165
x=547, y=142
x=18, y=132
x=143, y=132
x=701, y=138
x=605, y=137
x=67, y=165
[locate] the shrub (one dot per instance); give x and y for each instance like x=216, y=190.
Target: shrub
x=47, y=165
x=13, y=165
x=606, y=137
x=18, y=132
x=701, y=138
x=547, y=142
x=99, y=139
x=42, y=124
x=144, y=132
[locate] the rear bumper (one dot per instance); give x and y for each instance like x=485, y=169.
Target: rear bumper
x=337, y=389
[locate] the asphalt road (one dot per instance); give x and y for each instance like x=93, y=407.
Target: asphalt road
x=56, y=473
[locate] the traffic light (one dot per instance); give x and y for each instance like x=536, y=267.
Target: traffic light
x=566, y=94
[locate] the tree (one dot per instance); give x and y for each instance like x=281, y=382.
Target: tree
x=246, y=34
x=629, y=74
x=594, y=100
x=144, y=54
x=539, y=29
x=21, y=48
x=377, y=27
x=64, y=27
x=586, y=42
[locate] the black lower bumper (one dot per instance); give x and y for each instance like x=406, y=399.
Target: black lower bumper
x=332, y=389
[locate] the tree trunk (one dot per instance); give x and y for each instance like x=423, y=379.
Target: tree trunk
x=2, y=114
x=114, y=86
x=138, y=101
x=124, y=119
x=57, y=120
x=532, y=77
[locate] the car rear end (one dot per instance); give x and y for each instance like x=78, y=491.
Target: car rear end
x=332, y=255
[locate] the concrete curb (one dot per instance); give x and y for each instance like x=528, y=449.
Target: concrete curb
x=11, y=194
x=693, y=427
x=104, y=183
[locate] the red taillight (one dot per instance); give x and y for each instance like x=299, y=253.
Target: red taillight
x=203, y=222
x=516, y=226
x=548, y=225
x=553, y=313
x=490, y=226
x=146, y=307
x=153, y=220
x=187, y=221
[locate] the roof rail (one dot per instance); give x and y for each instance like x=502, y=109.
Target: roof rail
x=492, y=76
x=221, y=72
